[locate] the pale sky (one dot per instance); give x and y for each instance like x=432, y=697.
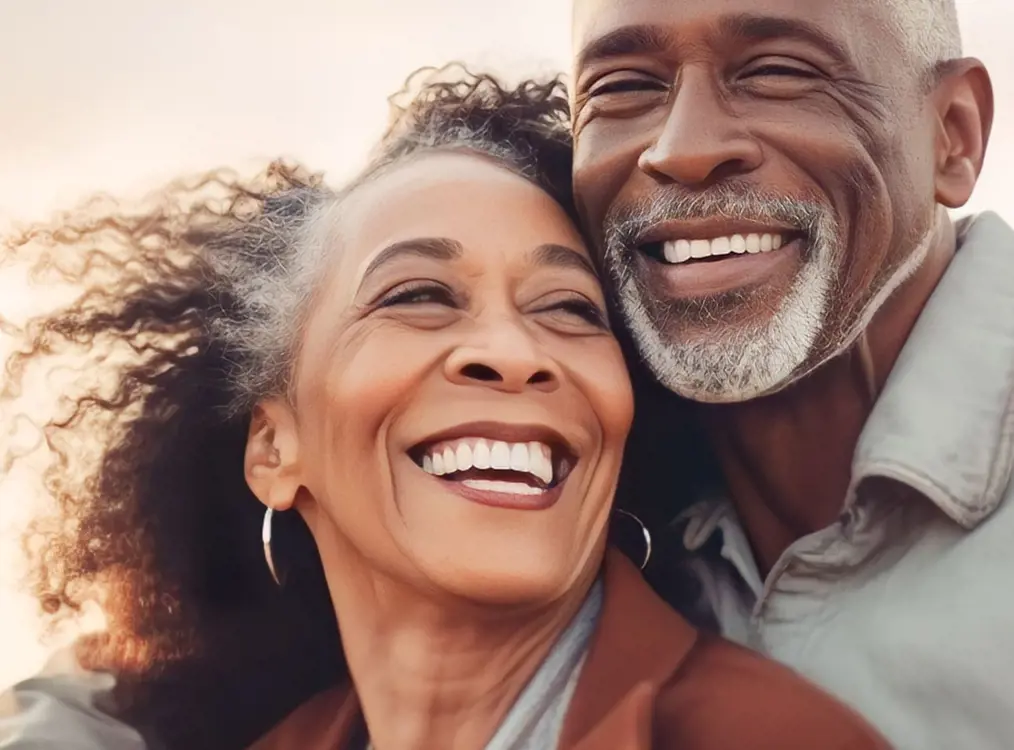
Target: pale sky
x=118, y=95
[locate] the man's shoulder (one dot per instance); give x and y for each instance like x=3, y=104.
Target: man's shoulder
x=727, y=696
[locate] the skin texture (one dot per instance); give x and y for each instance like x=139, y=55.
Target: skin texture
x=813, y=102
x=446, y=606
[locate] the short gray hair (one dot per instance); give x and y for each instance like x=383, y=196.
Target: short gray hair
x=929, y=28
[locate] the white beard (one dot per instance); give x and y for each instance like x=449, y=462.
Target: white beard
x=742, y=362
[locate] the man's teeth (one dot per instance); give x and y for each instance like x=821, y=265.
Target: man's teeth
x=680, y=251
x=478, y=453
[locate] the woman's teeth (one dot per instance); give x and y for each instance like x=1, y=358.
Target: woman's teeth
x=478, y=453
x=681, y=251
x=506, y=488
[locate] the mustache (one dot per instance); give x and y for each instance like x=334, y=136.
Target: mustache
x=625, y=225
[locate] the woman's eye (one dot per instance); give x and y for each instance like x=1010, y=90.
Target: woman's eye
x=625, y=84
x=432, y=294
x=583, y=309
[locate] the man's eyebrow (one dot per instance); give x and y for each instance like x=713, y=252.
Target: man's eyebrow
x=626, y=40
x=562, y=256
x=437, y=248
x=759, y=28
x=644, y=39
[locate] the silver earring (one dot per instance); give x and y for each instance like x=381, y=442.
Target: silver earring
x=644, y=532
x=266, y=539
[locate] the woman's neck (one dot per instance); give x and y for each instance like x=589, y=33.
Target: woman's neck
x=441, y=674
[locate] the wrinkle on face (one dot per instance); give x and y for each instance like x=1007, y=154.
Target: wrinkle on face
x=813, y=86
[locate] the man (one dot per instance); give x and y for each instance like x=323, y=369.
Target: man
x=768, y=183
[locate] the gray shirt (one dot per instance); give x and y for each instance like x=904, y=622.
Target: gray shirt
x=904, y=608
x=535, y=721
x=60, y=712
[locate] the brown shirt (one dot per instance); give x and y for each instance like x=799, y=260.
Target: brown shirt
x=650, y=680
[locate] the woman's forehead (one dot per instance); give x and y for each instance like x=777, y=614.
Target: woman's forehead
x=462, y=197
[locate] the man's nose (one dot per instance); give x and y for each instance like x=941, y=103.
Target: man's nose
x=702, y=142
x=504, y=356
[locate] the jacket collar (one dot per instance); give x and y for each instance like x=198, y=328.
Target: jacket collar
x=638, y=644
x=944, y=423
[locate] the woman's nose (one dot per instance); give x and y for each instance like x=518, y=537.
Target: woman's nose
x=506, y=358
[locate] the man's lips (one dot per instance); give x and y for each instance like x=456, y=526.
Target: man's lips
x=710, y=229
x=690, y=251
x=697, y=272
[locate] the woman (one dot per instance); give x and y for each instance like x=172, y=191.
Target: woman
x=412, y=389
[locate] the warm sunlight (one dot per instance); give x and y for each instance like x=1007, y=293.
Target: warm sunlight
x=117, y=95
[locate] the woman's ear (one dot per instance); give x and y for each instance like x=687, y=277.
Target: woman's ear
x=271, y=463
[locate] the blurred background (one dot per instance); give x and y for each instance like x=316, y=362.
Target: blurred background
x=119, y=95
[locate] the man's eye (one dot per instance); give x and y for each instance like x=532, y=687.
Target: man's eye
x=781, y=70
x=418, y=295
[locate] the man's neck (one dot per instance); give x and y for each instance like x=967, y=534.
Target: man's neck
x=787, y=458
x=442, y=674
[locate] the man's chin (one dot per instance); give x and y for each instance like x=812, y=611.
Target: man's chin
x=732, y=346
x=716, y=365
x=728, y=395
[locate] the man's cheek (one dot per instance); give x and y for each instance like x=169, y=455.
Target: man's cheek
x=604, y=174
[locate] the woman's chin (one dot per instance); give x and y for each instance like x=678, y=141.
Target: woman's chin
x=505, y=579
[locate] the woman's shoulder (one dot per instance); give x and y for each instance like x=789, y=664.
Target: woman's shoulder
x=327, y=720
x=650, y=673
x=724, y=695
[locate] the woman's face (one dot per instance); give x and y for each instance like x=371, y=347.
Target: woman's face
x=461, y=405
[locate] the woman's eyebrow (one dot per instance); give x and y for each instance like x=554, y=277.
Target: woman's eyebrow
x=437, y=248
x=562, y=256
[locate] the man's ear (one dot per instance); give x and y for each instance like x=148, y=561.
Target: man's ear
x=963, y=99
x=271, y=463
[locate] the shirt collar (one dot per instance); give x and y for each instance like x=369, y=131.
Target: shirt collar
x=943, y=424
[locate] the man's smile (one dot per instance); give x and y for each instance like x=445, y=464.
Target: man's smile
x=702, y=259
x=684, y=250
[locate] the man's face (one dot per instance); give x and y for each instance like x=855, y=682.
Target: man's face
x=759, y=177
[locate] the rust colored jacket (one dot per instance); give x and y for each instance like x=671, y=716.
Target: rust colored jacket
x=650, y=680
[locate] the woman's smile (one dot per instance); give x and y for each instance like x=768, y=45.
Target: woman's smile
x=458, y=369
x=514, y=466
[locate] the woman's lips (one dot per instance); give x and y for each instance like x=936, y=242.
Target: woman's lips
x=497, y=464
x=521, y=479
x=534, y=458
x=502, y=493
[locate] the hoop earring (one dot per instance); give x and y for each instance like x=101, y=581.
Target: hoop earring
x=644, y=532
x=266, y=539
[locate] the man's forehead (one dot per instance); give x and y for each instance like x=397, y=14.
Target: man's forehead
x=853, y=21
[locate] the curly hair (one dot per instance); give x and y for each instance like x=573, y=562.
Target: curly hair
x=189, y=312
x=189, y=309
